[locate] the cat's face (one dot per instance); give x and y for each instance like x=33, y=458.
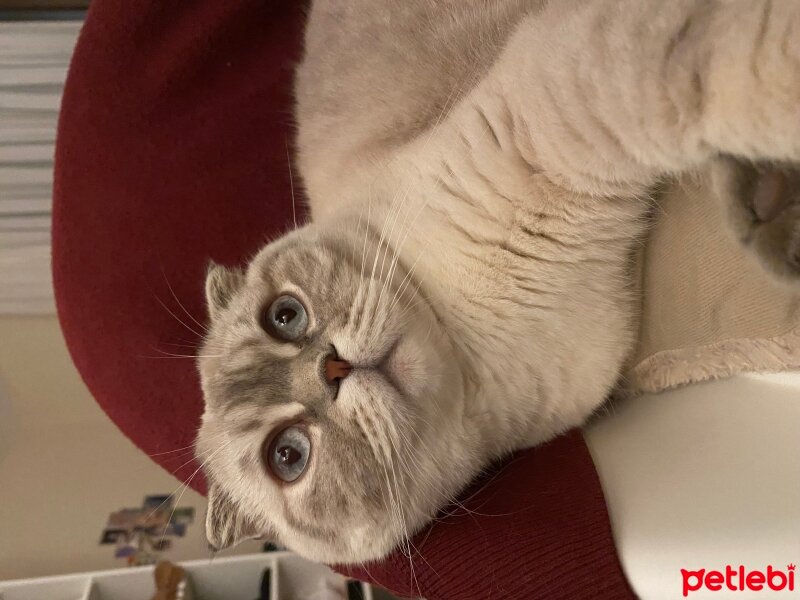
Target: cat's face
x=331, y=391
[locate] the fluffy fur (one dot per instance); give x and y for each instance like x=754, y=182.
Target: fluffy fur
x=478, y=176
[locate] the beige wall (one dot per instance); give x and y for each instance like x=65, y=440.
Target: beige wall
x=63, y=465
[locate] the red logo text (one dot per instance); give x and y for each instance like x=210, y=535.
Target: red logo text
x=739, y=579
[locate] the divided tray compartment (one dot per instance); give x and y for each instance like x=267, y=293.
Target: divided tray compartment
x=229, y=578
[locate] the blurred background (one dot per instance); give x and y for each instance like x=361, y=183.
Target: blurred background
x=64, y=467
x=79, y=502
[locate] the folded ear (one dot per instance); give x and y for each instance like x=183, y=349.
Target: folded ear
x=226, y=526
x=221, y=284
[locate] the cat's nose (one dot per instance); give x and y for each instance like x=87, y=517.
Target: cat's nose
x=336, y=369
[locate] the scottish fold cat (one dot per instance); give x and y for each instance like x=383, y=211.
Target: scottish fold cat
x=478, y=175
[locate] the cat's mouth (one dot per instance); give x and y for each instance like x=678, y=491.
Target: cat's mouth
x=392, y=369
x=398, y=366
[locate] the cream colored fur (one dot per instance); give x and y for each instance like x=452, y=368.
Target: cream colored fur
x=503, y=153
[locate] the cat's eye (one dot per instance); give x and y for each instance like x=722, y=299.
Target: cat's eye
x=288, y=453
x=286, y=319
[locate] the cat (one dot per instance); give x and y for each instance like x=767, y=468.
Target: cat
x=478, y=176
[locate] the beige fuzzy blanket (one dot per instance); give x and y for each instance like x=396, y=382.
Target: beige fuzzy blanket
x=708, y=309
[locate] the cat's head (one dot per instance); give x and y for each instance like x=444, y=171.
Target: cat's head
x=333, y=401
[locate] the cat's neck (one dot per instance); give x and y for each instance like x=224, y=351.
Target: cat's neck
x=493, y=250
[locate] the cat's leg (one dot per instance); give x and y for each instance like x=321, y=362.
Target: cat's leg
x=762, y=201
x=612, y=95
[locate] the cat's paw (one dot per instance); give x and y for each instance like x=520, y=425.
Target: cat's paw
x=763, y=204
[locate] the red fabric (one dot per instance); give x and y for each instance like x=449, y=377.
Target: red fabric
x=172, y=149
x=536, y=527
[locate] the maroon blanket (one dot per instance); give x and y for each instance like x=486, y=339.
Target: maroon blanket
x=172, y=149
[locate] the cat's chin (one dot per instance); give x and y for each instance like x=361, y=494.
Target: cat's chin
x=405, y=369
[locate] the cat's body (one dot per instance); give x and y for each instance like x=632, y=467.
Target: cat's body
x=533, y=282
x=478, y=177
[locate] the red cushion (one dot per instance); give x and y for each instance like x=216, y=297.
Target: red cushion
x=172, y=149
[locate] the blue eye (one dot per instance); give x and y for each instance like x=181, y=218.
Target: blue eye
x=286, y=319
x=287, y=455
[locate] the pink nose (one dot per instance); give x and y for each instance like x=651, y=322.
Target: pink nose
x=336, y=370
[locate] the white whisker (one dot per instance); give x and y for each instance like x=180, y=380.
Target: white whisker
x=180, y=304
x=291, y=184
x=185, y=484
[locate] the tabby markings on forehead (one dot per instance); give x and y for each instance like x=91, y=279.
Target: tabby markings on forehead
x=248, y=462
x=262, y=382
x=250, y=426
x=242, y=320
x=249, y=343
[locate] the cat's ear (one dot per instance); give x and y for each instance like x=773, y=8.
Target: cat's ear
x=221, y=284
x=226, y=526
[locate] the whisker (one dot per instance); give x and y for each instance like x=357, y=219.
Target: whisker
x=186, y=483
x=198, y=334
x=180, y=304
x=400, y=206
x=189, y=447
x=374, y=266
x=291, y=184
x=394, y=211
x=166, y=354
x=401, y=289
x=194, y=458
x=353, y=309
x=183, y=345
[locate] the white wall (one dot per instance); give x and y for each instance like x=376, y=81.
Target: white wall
x=63, y=465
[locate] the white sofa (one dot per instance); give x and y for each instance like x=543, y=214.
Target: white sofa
x=702, y=477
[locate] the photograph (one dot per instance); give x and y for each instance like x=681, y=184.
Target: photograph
x=114, y=536
x=124, y=551
x=183, y=515
x=163, y=502
x=162, y=544
x=449, y=299
x=125, y=518
x=176, y=529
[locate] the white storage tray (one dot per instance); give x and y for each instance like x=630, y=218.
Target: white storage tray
x=230, y=578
